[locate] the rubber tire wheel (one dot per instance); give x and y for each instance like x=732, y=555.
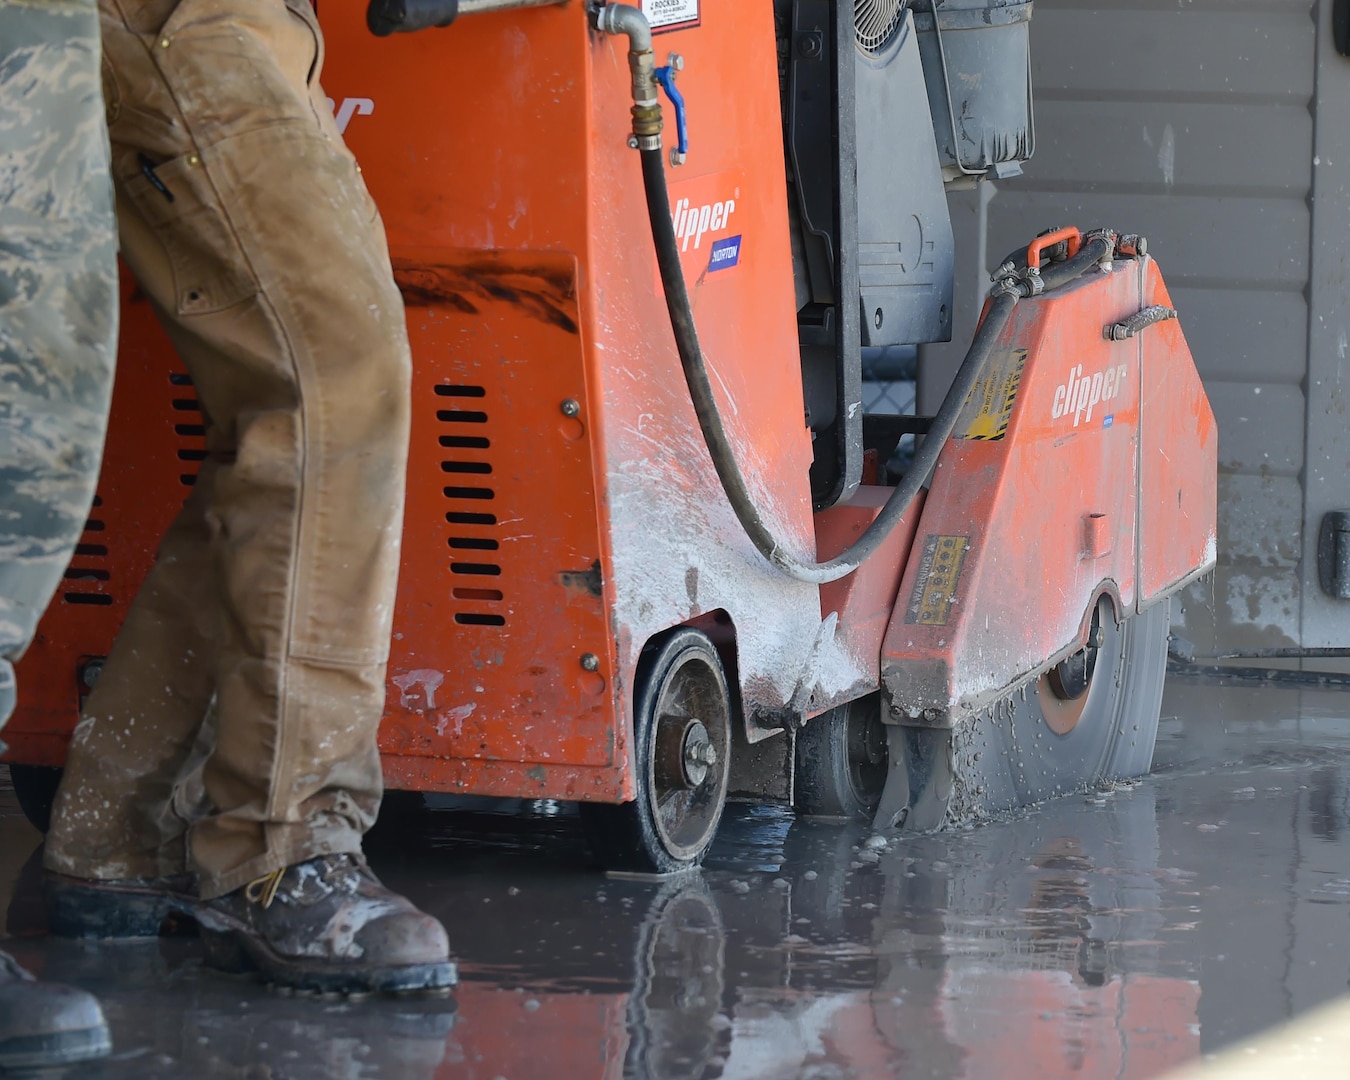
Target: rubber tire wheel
x=624, y=836
x=829, y=780
x=1009, y=757
x=35, y=786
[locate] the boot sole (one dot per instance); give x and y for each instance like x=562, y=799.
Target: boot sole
x=103, y=913
x=54, y=1050
x=235, y=951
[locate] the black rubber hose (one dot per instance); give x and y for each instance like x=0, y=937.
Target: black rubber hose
x=1055, y=274
x=719, y=445
x=1093, y=251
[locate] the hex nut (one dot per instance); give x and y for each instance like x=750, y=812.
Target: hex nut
x=90, y=672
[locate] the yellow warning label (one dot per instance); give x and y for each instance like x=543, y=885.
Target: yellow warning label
x=939, y=574
x=990, y=404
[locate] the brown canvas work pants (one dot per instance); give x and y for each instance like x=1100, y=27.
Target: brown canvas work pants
x=246, y=222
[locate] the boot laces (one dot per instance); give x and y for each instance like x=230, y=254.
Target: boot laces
x=345, y=868
x=263, y=890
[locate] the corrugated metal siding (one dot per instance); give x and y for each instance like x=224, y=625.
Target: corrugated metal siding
x=1192, y=123
x=1326, y=621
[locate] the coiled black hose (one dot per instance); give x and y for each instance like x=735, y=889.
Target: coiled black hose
x=719, y=445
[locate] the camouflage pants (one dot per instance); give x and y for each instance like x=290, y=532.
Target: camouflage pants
x=58, y=302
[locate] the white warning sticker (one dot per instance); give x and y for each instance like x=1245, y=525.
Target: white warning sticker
x=671, y=14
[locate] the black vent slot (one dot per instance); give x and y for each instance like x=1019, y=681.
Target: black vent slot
x=477, y=599
x=473, y=543
x=88, y=570
x=444, y=390
x=469, y=493
x=97, y=599
x=86, y=573
x=461, y=416
x=471, y=618
x=466, y=466
x=484, y=569
x=191, y=437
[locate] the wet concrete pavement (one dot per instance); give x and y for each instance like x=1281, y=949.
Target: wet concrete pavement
x=1109, y=935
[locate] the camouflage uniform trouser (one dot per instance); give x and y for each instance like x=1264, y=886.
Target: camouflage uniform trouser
x=58, y=303
x=249, y=228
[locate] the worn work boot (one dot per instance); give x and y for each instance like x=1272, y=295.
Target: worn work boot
x=45, y=1025
x=123, y=908
x=327, y=925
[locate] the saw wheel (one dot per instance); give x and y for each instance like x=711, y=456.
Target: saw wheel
x=682, y=759
x=1091, y=719
x=840, y=762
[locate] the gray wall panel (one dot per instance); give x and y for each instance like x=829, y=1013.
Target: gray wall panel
x=1253, y=601
x=1247, y=51
x=1260, y=427
x=1164, y=146
x=1245, y=334
x=1259, y=518
x=1326, y=621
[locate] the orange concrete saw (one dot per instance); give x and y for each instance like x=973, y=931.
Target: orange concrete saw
x=641, y=568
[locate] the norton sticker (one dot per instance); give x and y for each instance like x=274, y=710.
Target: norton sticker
x=711, y=227
x=939, y=574
x=992, y=398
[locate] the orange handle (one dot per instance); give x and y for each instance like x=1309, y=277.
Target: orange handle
x=1072, y=235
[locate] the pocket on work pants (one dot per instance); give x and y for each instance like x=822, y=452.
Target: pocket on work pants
x=177, y=199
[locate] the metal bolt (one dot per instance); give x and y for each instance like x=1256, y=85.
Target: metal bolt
x=164, y=43
x=590, y=662
x=676, y=156
x=570, y=407
x=90, y=672
x=704, y=754
x=632, y=142
x=811, y=45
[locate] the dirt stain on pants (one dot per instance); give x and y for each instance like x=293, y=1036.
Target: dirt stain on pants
x=247, y=224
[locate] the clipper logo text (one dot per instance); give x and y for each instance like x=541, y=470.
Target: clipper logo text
x=693, y=222
x=351, y=106
x=1081, y=394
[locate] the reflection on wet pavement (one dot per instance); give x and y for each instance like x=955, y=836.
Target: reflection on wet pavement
x=1115, y=934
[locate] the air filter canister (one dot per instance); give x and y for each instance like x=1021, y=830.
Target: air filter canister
x=977, y=67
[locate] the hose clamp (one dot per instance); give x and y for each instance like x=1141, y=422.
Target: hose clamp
x=1019, y=281
x=1111, y=237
